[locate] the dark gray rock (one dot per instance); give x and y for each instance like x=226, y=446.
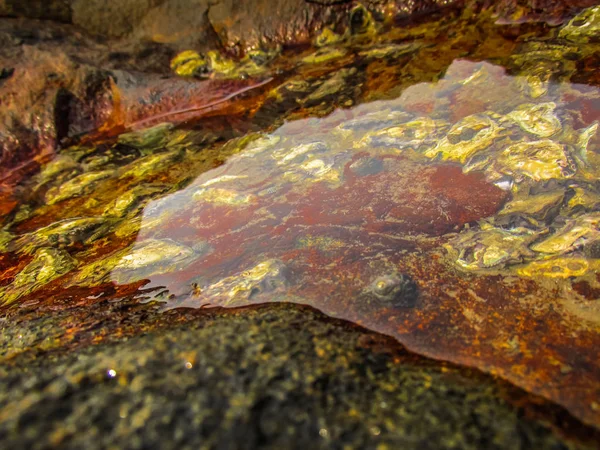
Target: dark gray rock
x=273, y=377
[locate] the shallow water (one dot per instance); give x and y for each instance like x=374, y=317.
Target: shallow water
x=439, y=189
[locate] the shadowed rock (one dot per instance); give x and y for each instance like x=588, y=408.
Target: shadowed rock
x=276, y=377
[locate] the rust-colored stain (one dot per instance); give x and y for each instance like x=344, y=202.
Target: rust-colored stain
x=158, y=100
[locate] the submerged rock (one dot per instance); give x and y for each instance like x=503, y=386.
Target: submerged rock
x=539, y=119
x=575, y=233
x=80, y=185
x=263, y=281
x=47, y=265
x=467, y=137
x=559, y=267
x=538, y=160
x=396, y=289
x=152, y=257
x=489, y=248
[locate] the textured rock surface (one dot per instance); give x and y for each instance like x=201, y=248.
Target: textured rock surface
x=199, y=23
x=76, y=353
x=277, y=377
x=76, y=86
x=68, y=72
x=59, y=10
x=193, y=21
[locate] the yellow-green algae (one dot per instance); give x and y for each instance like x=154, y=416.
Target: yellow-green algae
x=584, y=27
x=47, y=265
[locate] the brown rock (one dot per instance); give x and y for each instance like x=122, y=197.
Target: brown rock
x=58, y=10
x=515, y=11
x=60, y=98
x=110, y=18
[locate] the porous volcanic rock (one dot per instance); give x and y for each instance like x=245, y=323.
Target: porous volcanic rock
x=274, y=377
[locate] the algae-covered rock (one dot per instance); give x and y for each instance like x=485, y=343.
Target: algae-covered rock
x=190, y=63
x=327, y=37
x=538, y=160
x=267, y=277
x=585, y=27
x=47, y=265
x=539, y=119
x=574, y=233
x=5, y=240
x=492, y=247
x=541, y=206
x=559, y=267
x=147, y=139
x=150, y=257
x=75, y=187
x=470, y=135
x=63, y=234
x=150, y=164
x=133, y=200
x=281, y=377
x=324, y=55
x=222, y=197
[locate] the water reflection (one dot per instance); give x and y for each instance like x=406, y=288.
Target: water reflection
x=454, y=218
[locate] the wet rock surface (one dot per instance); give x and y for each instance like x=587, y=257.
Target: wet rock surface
x=192, y=22
x=274, y=377
x=70, y=69
x=225, y=22
x=434, y=182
